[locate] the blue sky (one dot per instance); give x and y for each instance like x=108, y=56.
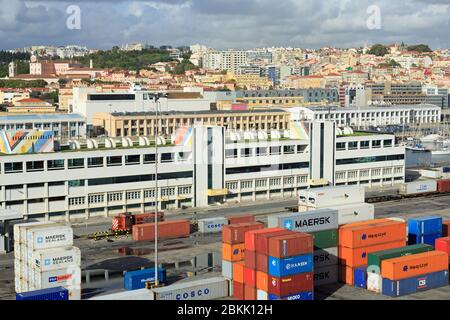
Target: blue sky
x=224, y=24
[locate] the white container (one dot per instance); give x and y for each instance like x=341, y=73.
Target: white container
x=211, y=225
x=205, y=289
x=65, y=277
x=262, y=295
x=326, y=275
x=325, y=257
x=74, y=292
x=374, y=282
x=140, y=294
x=311, y=221
x=57, y=258
x=227, y=269
x=49, y=237
x=18, y=228
x=418, y=187
x=335, y=196
x=357, y=212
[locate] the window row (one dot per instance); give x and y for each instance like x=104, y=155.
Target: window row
x=264, y=151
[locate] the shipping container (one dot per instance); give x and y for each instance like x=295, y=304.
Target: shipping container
x=250, y=237
x=250, y=259
x=262, y=295
x=290, y=245
x=262, y=240
x=418, y=187
x=58, y=293
x=360, y=277
x=135, y=295
x=443, y=244
x=414, y=265
x=347, y=275
x=55, y=278
x=238, y=271
x=288, y=285
x=235, y=233
x=374, y=259
x=429, y=239
x=372, y=234
x=56, y=258
x=425, y=225
x=446, y=228
x=262, y=281
x=49, y=237
x=211, y=225
x=227, y=269
x=238, y=290
x=249, y=292
x=311, y=221
x=325, y=239
x=326, y=257
x=334, y=196
x=241, y=219
x=396, y=288
x=374, y=282
x=443, y=185
x=250, y=277
x=166, y=230
x=262, y=262
x=358, y=257
x=289, y=266
x=203, y=289
x=355, y=213
x=326, y=275
x=306, y=296
x=233, y=252
x=134, y=280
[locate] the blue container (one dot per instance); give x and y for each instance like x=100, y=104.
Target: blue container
x=309, y=295
x=360, y=277
x=446, y=169
x=136, y=279
x=425, y=225
x=425, y=239
x=416, y=284
x=58, y=293
x=288, y=266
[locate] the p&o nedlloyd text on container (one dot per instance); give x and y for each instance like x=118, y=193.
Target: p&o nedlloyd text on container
x=332, y=196
x=311, y=221
x=205, y=289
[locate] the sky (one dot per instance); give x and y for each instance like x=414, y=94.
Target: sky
x=225, y=23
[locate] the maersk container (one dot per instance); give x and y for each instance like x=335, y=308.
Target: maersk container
x=429, y=239
x=289, y=266
x=425, y=225
x=335, y=196
x=326, y=257
x=311, y=221
x=305, y=296
x=418, y=187
x=357, y=212
x=57, y=258
x=58, y=293
x=211, y=225
x=49, y=237
x=360, y=277
x=412, y=285
x=133, y=280
x=204, y=289
x=326, y=275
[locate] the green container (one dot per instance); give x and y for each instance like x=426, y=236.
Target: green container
x=325, y=239
x=375, y=258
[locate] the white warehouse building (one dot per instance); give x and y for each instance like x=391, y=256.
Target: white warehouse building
x=210, y=166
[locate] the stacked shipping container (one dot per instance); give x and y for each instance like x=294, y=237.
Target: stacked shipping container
x=424, y=230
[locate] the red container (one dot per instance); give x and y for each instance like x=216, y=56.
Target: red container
x=166, y=230
x=291, y=245
x=241, y=219
x=238, y=290
x=234, y=234
x=250, y=277
x=262, y=240
x=147, y=217
x=250, y=259
x=446, y=228
x=443, y=244
x=286, y=286
x=262, y=262
x=443, y=185
x=250, y=237
x=249, y=292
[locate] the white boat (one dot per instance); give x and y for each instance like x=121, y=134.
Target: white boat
x=441, y=152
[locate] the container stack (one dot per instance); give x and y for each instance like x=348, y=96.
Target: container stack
x=446, y=228
x=357, y=240
x=233, y=247
x=322, y=224
x=424, y=230
x=443, y=244
x=46, y=258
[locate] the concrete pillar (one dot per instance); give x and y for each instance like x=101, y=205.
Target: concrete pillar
x=88, y=276
x=106, y=275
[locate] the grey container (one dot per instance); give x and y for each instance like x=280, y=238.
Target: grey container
x=310, y=221
x=211, y=225
x=140, y=294
x=326, y=275
x=326, y=257
x=204, y=289
x=227, y=269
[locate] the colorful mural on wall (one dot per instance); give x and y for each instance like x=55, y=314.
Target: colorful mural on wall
x=183, y=136
x=26, y=141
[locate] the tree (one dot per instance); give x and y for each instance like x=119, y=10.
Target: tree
x=420, y=48
x=379, y=50
x=391, y=63
x=184, y=66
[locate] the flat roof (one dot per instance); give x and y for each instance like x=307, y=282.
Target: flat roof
x=375, y=108
x=128, y=114
x=42, y=117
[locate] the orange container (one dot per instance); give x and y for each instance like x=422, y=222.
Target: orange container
x=235, y=233
x=249, y=292
x=238, y=272
x=250, y=237
x=249, y=277
x=414, y=265
x=346, y=275
x=262, y=281
x=233, y=252
x=241, y=219
x=372, y=234
x=358, y=257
